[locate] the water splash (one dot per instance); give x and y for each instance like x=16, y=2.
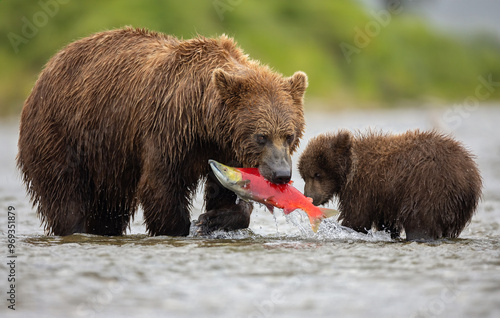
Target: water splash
x=221, y=234
x=330, y=229
x=276, y=223
x=300, y=221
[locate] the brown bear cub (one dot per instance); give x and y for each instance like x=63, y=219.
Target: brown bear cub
x=129, y=116
x=424, y=183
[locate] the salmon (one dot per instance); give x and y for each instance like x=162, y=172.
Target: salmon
x=249, y=184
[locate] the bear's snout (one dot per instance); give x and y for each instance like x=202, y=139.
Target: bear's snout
x=314, y=191
x=276, y=172
x=281, y=176
x=276, y=165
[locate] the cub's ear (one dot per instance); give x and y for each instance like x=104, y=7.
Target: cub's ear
x=229, y=86
x=342, y=142
x=298, y=85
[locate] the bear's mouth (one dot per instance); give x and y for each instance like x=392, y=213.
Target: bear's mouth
x=277, y=175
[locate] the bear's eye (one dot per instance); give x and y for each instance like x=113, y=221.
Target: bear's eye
x=261, y=139
x=290, y=139
x=317, y=176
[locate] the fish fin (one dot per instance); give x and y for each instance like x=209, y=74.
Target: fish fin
x=244, y=199
x=288, y=210
x=328, y=213
x=269, y=207
x=243, y=183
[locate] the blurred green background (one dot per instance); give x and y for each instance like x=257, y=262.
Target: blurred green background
x=353, y=56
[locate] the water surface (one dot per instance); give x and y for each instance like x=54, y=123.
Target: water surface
x=276, y=268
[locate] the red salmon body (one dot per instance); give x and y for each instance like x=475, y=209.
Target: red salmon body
x=283, y=196
x=249, y=184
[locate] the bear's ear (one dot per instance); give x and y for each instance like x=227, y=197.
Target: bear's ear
x=342, y=142
x=227, y=85
x=298, y=85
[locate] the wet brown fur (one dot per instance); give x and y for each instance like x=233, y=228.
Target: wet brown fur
x=130, y=116
x=424, y=183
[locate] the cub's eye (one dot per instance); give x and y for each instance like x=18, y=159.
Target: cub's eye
x=290, y=139
x=317, y=176
x=261, y=139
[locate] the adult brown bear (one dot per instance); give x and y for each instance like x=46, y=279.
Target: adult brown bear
x=423, y=182
x=129, y=116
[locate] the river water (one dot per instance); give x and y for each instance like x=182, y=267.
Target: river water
x=276, y=268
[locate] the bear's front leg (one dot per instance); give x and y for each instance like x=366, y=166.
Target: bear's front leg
x=166, y=207
x=165, y=192
x=223, y=213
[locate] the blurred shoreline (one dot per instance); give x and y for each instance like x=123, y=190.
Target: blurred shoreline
x=354, y=55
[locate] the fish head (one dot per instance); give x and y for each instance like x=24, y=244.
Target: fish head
x=231, y=178
x=226, y=175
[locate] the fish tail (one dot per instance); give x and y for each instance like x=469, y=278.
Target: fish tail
x=328, y=213
x=316, y=221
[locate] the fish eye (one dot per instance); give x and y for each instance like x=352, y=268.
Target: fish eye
x=261, y=139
